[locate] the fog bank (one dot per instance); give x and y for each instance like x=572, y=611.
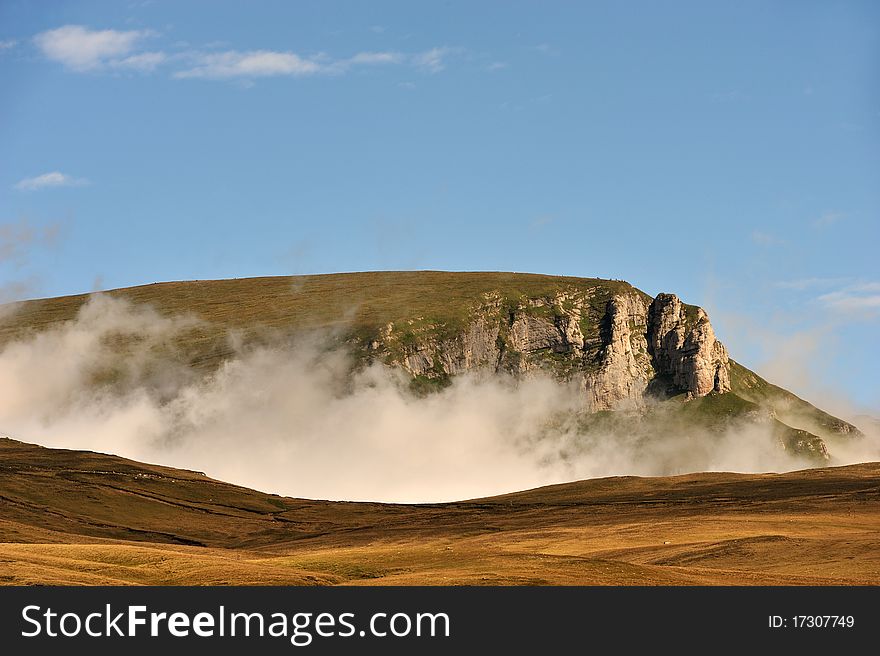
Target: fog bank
x=293, y=419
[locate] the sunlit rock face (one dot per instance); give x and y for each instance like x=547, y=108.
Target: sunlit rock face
x=620, y=351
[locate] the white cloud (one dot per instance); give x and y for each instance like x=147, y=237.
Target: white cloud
x=144, y=62
x=855, y=298
x=800, y=284
x=496, y=66
x=541, y=221
x=829, y=219
x=318, y=428
x=376, y=58
x=53, y=179
x=7, y=44
x=764, y=238
x=270, y=63
x=433, y=60
x=547, y=49
x=255, y=63
x=81, y=49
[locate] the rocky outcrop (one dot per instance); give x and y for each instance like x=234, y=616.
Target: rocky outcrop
x=621, y=349
x=624, y=364
x=685, y=349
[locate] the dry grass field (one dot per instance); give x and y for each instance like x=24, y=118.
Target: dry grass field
x=80, y=518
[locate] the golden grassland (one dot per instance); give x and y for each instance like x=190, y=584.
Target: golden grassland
x=80, y=518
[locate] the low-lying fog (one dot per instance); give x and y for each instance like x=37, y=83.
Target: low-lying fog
x=292, y=420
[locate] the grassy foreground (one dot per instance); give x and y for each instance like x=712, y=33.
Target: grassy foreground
x=73, y=517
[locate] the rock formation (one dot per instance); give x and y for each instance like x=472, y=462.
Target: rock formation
x=621, y=349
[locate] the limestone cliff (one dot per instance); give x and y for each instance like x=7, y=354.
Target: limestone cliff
x=619, y=345
x=619, y=351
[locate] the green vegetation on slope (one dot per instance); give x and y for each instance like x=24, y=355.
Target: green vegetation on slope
x=786, y=407
x=432, y=304
x=353, y=305
x=706, y=418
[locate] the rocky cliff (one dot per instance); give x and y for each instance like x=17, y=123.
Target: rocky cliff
x=619, y=345
x=620, y=350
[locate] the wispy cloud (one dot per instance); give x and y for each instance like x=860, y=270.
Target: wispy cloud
x=7, y=44
x=19, y=237
x=766, y=239
x=81, y=49
x=18, y=242
x=144, y=62
x=829, y=219
x=541, y=221
x=854, y=298
x=255, y=63
x=434, y=60
x=801, y=284
x=375, y=58
x=270, y=63
x=496, y=66
x=53, y=179
x=547, y=49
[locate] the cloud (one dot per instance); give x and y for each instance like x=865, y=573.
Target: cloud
x=496, y=66
x=433, y=60
x=829, y=219
x=859, y=298
x=8, y=44
x=255, y=63
x=144, y=62
x=300, y=418
x=53, y=179
x=849, y=297
x=17, y=238
x=375, y=58
x=547, y=49
x=801, y=284
x=762, y=238
x=81, y=49
x=541, y=221
x=270, y=63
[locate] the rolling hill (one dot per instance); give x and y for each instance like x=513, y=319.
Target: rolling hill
x=640, y=367
x=73, y=517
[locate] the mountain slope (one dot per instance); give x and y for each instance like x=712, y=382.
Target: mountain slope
x=623, y=348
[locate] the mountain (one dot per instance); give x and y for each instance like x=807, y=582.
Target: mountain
x=636, y=356
x=77, y=517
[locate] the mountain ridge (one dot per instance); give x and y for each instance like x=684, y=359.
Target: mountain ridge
x=623, y=347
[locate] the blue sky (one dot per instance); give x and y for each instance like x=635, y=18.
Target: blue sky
x=726, y=151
